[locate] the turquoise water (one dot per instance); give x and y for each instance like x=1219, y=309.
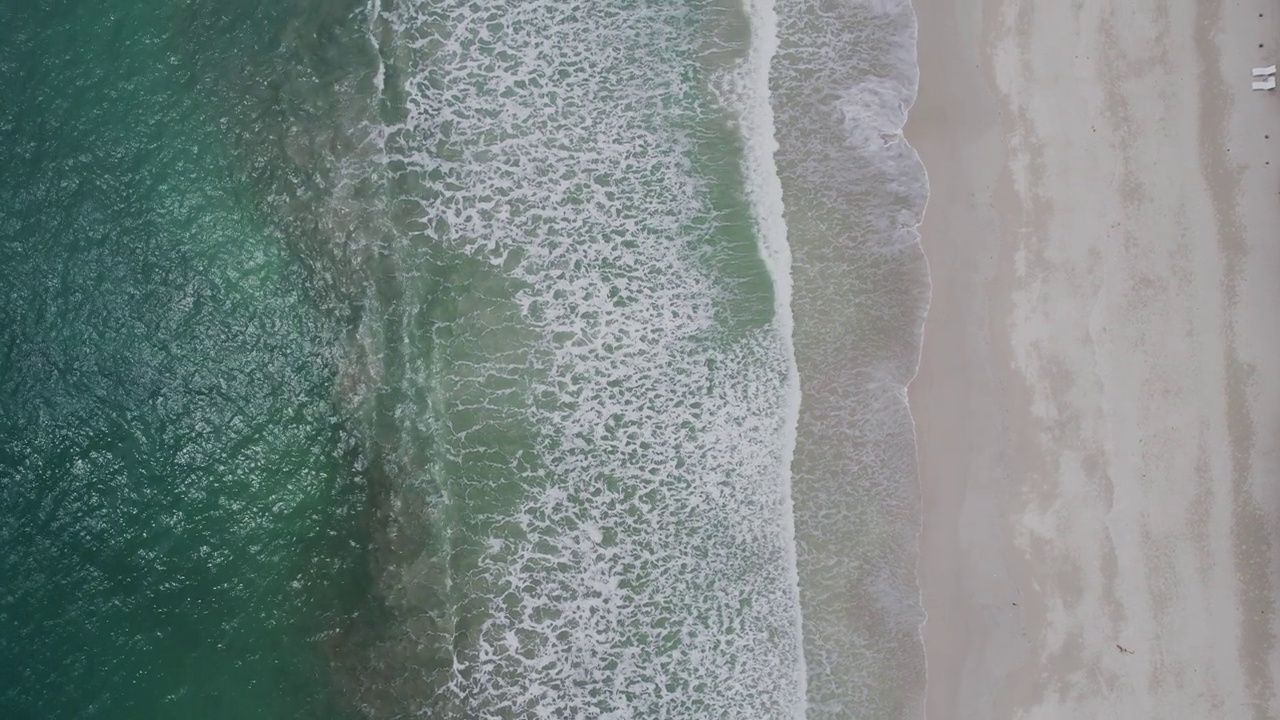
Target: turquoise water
x=392, y=358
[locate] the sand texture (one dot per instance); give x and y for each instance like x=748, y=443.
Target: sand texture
x=1098, y=402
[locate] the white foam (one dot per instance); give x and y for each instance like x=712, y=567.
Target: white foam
x=765, y=190
x=624, y=447
x=379, y=77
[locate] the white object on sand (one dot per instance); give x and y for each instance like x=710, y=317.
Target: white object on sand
x=1264, y=71
x=1268, y=84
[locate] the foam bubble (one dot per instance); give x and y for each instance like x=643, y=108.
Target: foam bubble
x=590, y=514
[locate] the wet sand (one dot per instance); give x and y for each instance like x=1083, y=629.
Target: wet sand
x=1098, y=402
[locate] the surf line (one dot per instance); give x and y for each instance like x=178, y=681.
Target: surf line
x=764, y=189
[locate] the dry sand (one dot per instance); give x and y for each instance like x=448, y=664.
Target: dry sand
x=1098, y=403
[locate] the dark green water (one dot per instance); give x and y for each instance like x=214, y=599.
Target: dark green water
x=178, y=524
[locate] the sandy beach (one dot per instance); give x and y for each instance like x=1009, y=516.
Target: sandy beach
x=1098, y=401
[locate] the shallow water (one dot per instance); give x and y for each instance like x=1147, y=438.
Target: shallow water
x=843, y=80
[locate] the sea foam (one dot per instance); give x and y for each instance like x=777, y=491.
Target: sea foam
x=588, y=417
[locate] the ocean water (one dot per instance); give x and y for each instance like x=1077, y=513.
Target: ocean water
x=518, y=359
x=177, y=528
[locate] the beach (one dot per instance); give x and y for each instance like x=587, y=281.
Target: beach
x=1097, y=407
x=516, y=359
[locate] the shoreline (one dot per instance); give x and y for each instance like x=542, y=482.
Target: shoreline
x=1097, y=406
x=841, y=83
